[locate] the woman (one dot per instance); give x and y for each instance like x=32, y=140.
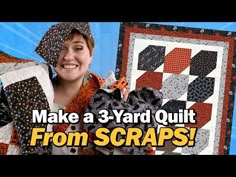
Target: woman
x=74, y=85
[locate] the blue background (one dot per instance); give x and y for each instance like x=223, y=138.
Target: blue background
x=20, y=39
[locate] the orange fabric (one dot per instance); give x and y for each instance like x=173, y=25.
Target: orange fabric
x=121, y=83
x=13, y=141
x=5, y=58
x=14, y=138
x=3, y=148
x=150, y=150
x=81, y=101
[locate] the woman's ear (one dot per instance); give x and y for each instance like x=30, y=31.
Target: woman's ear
x=92, y=53
x=91, y=57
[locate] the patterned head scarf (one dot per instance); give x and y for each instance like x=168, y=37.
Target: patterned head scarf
x=51, y=44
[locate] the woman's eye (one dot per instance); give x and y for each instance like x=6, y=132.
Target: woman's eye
x=78, y=48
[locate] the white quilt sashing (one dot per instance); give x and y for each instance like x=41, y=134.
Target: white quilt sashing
x=27, y=87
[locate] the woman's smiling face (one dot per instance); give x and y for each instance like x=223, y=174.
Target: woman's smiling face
x=74, y=59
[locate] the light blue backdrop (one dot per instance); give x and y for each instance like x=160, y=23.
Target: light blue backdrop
x=20, y=39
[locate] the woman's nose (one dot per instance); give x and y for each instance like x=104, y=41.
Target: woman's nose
x=68, y=55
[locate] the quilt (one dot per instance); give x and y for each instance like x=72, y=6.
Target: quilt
x=194, y=69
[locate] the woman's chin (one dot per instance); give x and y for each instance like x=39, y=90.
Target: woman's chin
x=71, y=79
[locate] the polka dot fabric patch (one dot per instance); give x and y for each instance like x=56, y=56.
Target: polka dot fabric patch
x=25, y=96
x=51, y=44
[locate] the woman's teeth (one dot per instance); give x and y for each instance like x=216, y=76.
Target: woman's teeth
x=69, y=66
